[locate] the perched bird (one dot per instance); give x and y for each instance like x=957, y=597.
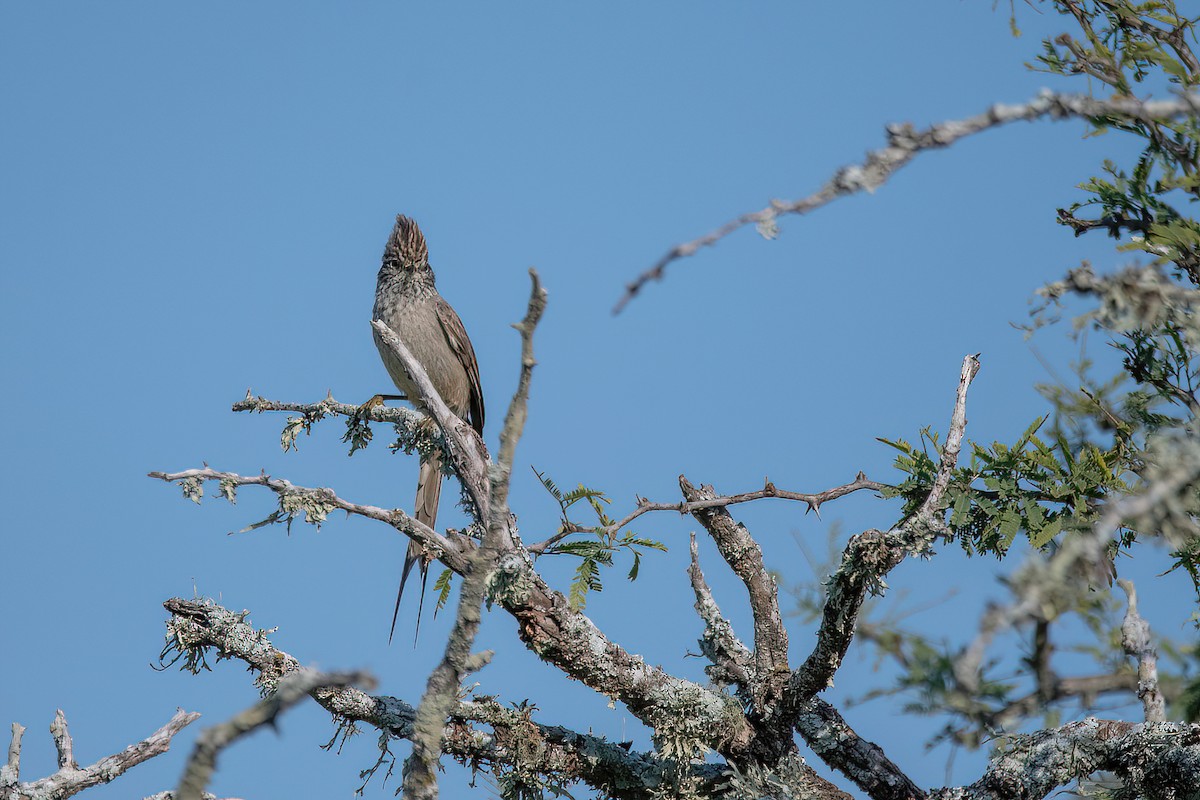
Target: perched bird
x=407, y=301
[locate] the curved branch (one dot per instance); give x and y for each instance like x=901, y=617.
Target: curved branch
x=905, y=143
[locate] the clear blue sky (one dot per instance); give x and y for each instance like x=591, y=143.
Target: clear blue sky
x=194, y=199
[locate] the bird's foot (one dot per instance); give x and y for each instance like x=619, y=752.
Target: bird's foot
x=366, y=408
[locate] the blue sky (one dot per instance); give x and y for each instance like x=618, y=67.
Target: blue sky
x=194, y=200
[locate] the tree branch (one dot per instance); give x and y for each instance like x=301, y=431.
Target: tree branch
x=289, y=690
x=904, y=143
x=1156, y=760
x=420, y=770
x=732, y=661
x=316, y=503
x=871, y=555
x=71, y=779
x=10, y=773
x=862, y=761
x=744, y=557
x=468, y=454
x=644, y=506
x=1136, y=641
x=196, y=626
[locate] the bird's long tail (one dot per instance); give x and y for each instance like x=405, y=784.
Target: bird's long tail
x=429, y=490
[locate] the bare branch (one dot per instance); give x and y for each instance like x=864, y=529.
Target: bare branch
x=10, y=773
x=62, y=742
x=197, y=625
x=954, y=438
x=71, y=779
x=1136, y=641
x=420, y=770
x=453, y=554
x=732, y=661
x=904, y=143
x=289, y=691
x=813, y=501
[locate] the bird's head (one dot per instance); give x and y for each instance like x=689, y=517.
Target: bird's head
x=406, y=246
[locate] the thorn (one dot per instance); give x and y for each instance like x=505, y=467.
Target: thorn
x=329, y=395
x=249, y=394
x=815, y=508
x=769, y=488
x=860, y=477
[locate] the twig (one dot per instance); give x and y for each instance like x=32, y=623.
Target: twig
x=1136, y=641
x=453, y=554
x=904, y=143
x=379, y=413
x=290, y=690
x=814, y=502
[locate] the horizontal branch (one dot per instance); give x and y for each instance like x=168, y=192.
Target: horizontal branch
x=316, y=503
x=514, y=741
x=547, y=624
x=398, y=415
x=904, y=142
x=812, y=500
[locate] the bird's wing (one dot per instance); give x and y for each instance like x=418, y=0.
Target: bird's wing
x=460, y=343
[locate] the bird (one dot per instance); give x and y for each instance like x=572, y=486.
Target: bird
x=407, y=301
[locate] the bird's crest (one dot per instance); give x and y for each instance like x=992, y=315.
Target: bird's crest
x=406, y=245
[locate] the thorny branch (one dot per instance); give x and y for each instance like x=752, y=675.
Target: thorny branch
x=420, y=770
x=769, y=489
x=71, y=779
x=904, y=143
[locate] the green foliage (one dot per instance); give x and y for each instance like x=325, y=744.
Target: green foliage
x=598, y=551
x=1131, y=48
x=1037, y=487
x=442, y=587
